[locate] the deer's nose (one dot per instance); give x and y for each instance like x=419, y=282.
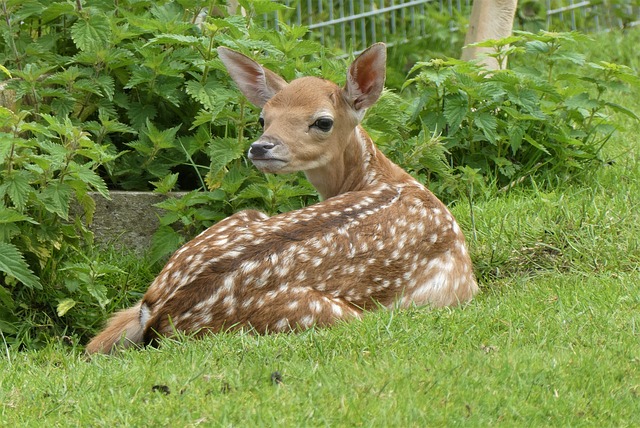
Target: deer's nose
x=260, y=148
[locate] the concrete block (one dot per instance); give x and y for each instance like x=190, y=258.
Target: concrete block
x=128, y=220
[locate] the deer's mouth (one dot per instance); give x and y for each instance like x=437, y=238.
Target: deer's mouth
x=266, y=164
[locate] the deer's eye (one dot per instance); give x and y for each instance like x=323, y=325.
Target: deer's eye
x=324, y=124
x=261, y=122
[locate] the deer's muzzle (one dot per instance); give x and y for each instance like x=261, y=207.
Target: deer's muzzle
x=269, y=154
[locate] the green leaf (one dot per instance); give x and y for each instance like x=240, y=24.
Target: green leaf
x=164, y=139
x=17, y=186
x=175, y=39
x=55, y=10
x=63, y=106
x=488, y=124
x=582, y=100
x=620, y=109
x=166, y=184
x=262, y=6
x=164, y=242
x=143, y=147
x=455, y=110
x=159, y=167
x=256, y=191
x=88, y=176
x=57, y=154
x=491, y=43
x=571, y=56
x=91, y=34
x=5, y=71
x=203, y=117
x=107, y=85
x=140, y=75
x=8, y=215
x=211, y=96
x=56, y=197
x=139, y=113
x=535, y=144
x=516, y=134
x=224, y=150
x=12, y=263
x=64, y=306
x=87, y=203
x=8, y=322
x=233, y=179
x=197, y=197
x=537, y=47
x=6, y=301
x=98, y=292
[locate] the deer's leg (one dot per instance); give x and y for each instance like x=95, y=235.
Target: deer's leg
x=297, y=308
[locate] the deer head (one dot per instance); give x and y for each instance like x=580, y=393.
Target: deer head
x=306, y=121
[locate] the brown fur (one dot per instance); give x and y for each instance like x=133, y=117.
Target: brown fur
x=379, y=239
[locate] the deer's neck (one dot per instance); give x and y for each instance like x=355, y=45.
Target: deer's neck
x=360, y=166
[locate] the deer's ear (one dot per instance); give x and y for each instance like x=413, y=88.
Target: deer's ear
x=257, y=83
x=365, y=77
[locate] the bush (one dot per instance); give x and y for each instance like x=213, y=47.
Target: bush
x=550, y=113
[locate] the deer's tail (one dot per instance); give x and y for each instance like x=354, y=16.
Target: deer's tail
x=123, y=330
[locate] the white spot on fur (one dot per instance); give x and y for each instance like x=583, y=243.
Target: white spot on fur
x=307, y=321
x=282, y=325
x=337, y=310
x=247, y=302
x=455, y=228
x=249, y=266
x=230, y=302
x=315, y=306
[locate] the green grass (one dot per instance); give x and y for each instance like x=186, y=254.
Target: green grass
x=552, y=340
x=549, y=350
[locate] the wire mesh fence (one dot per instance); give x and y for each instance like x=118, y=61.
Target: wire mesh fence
x=352, y=25
x=592, y=16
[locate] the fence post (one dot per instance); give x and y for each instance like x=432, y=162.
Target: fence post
x=490, y=19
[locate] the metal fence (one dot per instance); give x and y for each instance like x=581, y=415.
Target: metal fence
x=592, y=16
x=352, y=25
x=355, y=24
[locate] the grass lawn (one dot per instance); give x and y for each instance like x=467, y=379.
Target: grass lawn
x=554, y=349
x=552, y=340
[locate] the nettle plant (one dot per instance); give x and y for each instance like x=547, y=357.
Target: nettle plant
x=550, y=112
x=45, y=165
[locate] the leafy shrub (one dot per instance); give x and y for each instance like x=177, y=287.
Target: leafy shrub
x=39, y=235
x=542, y=115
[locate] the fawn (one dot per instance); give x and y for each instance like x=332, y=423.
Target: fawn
x=377, y=239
